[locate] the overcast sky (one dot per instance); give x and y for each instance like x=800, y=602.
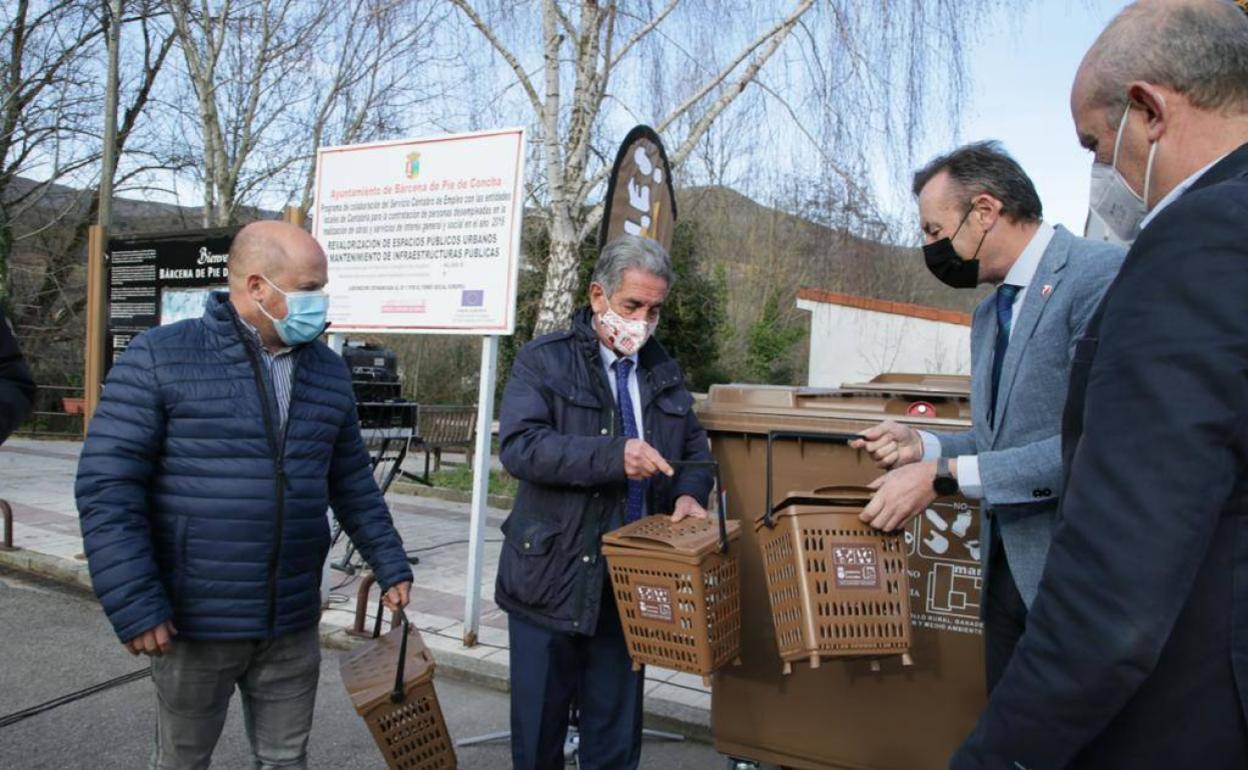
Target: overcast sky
x=1021, y=76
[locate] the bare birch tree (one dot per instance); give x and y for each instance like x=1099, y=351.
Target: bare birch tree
x=593, y=40
x=46, y=104
x=249, y=63
x=369, y=81
x=845, y=77
x=137, y=152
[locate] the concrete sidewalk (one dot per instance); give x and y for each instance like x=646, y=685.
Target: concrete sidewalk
x=37, y=477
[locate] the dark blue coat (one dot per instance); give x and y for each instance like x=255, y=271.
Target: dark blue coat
x=189, y=513
x=17, y=388
x=559, y=436
x=1136, y=649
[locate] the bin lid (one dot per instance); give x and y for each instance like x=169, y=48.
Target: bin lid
x=368, y=673
x=761, y=408
x=688, y=537
x=798, y=502
x=954, y=385
x=897, y=389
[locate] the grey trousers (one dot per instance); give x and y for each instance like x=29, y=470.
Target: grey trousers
x=195, y=682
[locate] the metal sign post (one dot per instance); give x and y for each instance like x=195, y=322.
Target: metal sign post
x=480, y=489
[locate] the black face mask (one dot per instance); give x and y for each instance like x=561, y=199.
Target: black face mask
x=944, y=263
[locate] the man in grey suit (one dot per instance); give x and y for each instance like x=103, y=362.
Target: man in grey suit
x=982, y=223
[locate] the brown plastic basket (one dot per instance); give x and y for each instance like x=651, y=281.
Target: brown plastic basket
x=837, y=586
x=677, y=587
x=390, y=681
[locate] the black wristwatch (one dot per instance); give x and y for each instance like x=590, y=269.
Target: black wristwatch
x=944, y=483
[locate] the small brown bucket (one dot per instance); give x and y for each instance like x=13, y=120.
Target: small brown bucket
x=677, y=587
x=837, y=586
x=390, y=681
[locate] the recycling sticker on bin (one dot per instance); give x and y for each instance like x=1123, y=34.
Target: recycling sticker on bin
x=948, y=600
x=856, y=566
x=655, y=603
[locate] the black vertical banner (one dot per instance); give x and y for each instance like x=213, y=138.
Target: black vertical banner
x=160, y=279
x=640, y=197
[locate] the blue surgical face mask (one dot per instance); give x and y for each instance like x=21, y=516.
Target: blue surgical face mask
x=305, y=314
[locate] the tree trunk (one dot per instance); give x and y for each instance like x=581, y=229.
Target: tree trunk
x=6, y=251
x=558, y=300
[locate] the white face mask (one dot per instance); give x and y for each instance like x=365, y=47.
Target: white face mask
x=1116, y=210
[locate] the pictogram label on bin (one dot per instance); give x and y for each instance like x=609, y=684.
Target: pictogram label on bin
x=856, y=566
x=655, y=603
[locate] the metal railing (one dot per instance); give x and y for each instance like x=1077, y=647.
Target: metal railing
x=54, y=415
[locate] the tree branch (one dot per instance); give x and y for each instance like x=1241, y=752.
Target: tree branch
x=507, y=55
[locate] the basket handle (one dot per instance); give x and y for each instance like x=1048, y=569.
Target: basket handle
x=784, y=435
x=720, y=494
x=396, y=695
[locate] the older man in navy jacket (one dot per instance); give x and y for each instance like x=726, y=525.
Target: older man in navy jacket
x=218, y=445
x=591, y=418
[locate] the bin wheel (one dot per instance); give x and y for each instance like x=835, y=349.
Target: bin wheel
x=742, y=764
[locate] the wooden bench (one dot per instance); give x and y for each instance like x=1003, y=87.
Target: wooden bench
x=443, y=427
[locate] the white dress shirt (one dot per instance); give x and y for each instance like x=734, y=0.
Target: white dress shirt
x=1021, y=275
x=1178, y=190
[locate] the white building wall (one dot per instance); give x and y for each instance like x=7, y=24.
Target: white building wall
x=853, y=345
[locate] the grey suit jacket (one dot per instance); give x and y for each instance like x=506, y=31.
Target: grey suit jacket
x=1020, y=459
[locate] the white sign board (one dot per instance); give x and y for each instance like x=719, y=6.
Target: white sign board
x=422, y=235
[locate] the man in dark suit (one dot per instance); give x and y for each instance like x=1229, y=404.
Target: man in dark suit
x=1136, y=649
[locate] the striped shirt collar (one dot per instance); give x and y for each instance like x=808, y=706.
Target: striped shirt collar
x=255, y=335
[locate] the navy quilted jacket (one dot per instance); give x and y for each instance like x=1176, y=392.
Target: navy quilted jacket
x=190, y=513
x=559, y=436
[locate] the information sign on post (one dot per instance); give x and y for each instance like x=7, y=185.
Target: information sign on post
x=423, y=237
x=156, y=280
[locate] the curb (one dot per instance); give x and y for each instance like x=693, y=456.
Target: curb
x=660, y=715
x=52, y=567
x=502, y=502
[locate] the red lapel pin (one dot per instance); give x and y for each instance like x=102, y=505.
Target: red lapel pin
x=1046, y=290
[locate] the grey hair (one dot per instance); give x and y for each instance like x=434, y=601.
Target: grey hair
x=985, y=167
x=1199, y=49
x=631, y=252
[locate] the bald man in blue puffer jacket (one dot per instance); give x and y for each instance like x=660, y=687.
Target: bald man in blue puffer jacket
x=218, y=446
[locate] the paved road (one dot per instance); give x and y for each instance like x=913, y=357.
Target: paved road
x=55, y=641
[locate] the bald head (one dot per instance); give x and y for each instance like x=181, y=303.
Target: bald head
x=271, y=248
x=268, y=260
x=1198, y=48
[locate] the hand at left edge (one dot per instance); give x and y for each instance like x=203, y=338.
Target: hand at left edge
x=687, y=508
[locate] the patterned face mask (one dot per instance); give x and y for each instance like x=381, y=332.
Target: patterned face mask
x=626, y=336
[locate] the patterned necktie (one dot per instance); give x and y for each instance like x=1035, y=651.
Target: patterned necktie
x=624, y=400
x=1006, y=294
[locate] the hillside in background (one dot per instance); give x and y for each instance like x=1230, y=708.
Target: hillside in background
x=764, y=245
x=768, y=255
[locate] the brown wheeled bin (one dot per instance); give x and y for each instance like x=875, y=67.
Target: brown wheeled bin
x=844, y=715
